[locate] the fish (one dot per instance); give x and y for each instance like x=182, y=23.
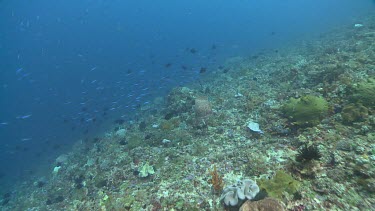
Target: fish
x=168, y=65
x=19, y=70
x=26, y=139
x=24, y=117
x=4, y=123
x=119, y=121
x=203, y=70
x=193, y=50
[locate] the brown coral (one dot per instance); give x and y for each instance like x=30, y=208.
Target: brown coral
x=202, y=107
x=267, y=204
x=216, y=180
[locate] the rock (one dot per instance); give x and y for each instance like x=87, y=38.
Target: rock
x=267, y=204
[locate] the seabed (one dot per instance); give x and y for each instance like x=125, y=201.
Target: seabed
x=185, y=148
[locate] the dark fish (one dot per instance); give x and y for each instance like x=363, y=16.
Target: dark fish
x=193, y=50
x=168, y=65
x=213, y=47
x=273, y=33
x=119, y=121
x=38, y=154
x=202, y=70
x=168, y=116
x=183, y=67
x=56, y=146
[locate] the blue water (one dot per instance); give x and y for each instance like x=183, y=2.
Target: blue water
x=70, y=68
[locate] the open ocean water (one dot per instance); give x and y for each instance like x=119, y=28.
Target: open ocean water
x=187, y=105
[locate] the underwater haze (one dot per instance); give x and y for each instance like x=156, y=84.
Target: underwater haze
x=71, y=71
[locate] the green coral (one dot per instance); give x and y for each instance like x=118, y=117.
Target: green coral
x=364, y=92
x=128, y=201
x=146, y=170
x=134, y=141
x=306, y=111
x=354, y=113
x=282, y=184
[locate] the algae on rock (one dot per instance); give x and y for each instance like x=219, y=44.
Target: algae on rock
x=280, y=185
x=354, y=113
x=306, y=111
x=364, y=92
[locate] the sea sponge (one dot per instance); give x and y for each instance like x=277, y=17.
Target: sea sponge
x=364, y=92
x=281, y=184
x=244, y=189
x=306, y=111
x=202, y=107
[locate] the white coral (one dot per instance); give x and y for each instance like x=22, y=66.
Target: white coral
x=245, y=189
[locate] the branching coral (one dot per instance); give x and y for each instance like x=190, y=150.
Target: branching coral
x=216, y=180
